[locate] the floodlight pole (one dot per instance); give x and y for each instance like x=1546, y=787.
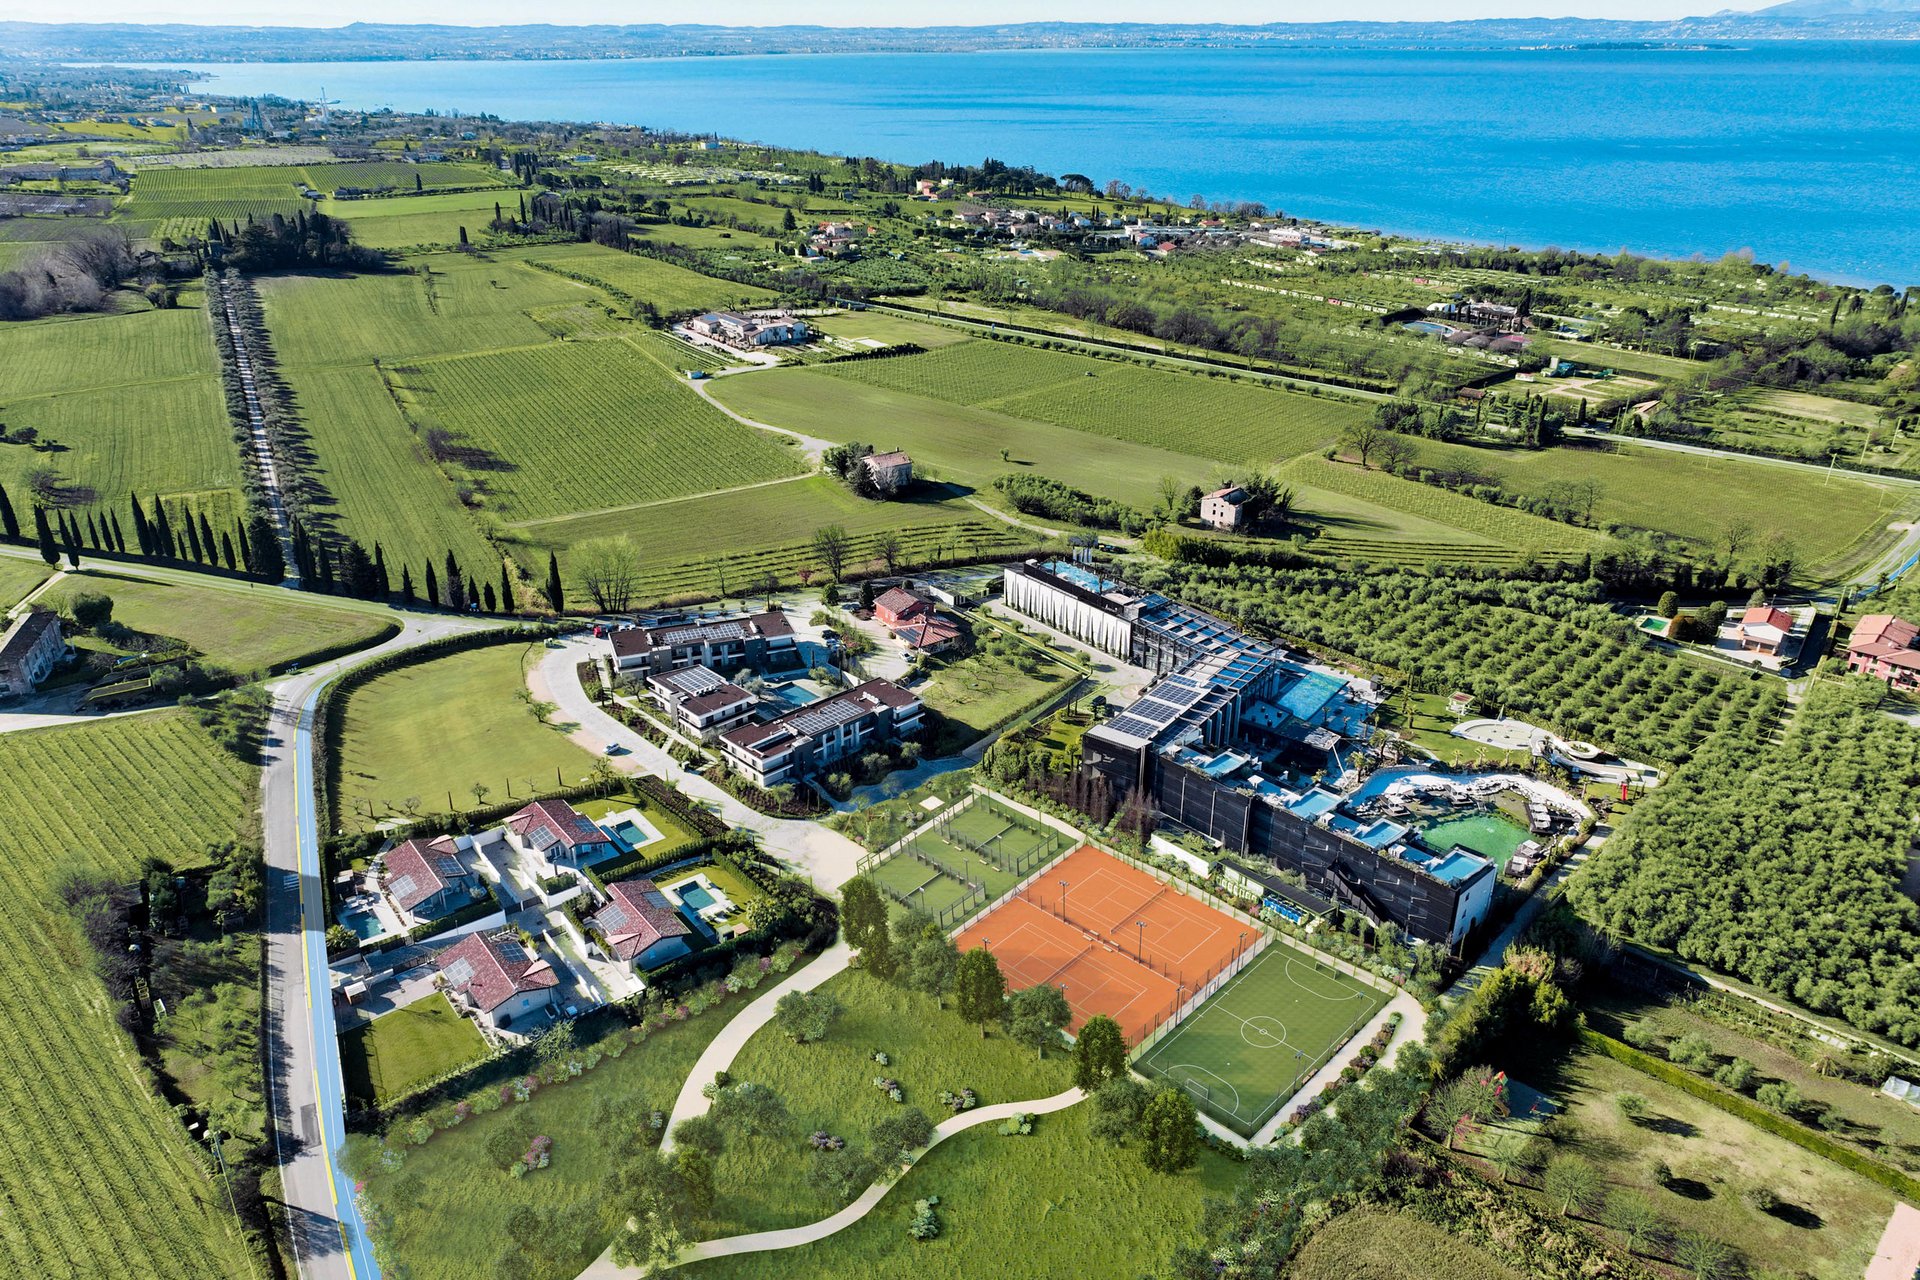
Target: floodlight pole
x=1140, y=940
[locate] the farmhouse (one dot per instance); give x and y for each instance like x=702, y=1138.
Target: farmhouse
x=1221, y=509
x=915, y=621
x=758, y=330
x=638, y=926
x=29, y=651
x=756, y=641
x=1765, y=629
x=426, y=879
x=702, y=703
x=1214, y=738
x=555, y=832
x=890, y=472
x=1883, y=646
x=495, y=977
x=806, y=740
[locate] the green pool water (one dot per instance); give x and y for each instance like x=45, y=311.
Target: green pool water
x=1487, y=834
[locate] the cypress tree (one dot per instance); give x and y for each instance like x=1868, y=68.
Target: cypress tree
x=142, y=532
x=206, y=537
x=163, y=531
x=506, y=590
x=556, y=590
x=73, y=545
x=44, y=534
x=119, y=538
x=268, y=560
x=406, y=586
x=193, y=535
x=473, y=591
x=9, y=522
x=93, y=535
x=433, y=586
x=226, y=551
x=240, y=543
x=383, y=583
x=493, y=605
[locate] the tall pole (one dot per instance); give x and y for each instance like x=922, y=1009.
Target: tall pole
x=1140, y=940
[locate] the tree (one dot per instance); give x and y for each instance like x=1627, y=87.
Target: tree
x=1669, y=606
x=804, y=1016
x=752, y=1110
x=900, y=1135
x=43, y=533
x=91, y=609
x=1118, y=1106
x=1571, y=1182
x=1701, y=1254
x=840, y=1175
x=1393, y=451
x=9, y=522
x=931, y=961
x=1472, y=1098
x=1361, y=438
x=556, y=590
x=1633, y=1217
x=609, y=569
x=1734, y=537
x=863, y=923
x=889, y=548
x=1169, y=1131
x=1100, y=1053
x=1038, y=1016
x=830, y=543
x=980, y=989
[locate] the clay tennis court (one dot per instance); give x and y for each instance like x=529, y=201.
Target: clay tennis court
x=1119, y=941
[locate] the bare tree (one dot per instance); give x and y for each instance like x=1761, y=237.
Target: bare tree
x=830, y=543
x=1394, y=451
x=889, y=548
x=609, y=569
x=1362, y=438
x=1734, y=536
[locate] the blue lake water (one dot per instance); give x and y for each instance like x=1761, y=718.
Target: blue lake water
x=1805, y=152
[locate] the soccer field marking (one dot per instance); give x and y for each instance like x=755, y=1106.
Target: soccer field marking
x=1315, y=992
x=1257, y=1032
x=1193, y=1071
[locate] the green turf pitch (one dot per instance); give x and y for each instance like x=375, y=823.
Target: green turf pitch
x=1255, y=1041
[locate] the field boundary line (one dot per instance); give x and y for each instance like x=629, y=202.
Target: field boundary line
x=652, y=502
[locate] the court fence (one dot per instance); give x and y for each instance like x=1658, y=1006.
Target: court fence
x=957, y=914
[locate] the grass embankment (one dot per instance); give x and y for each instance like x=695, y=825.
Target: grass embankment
x=436, y=728
x=94, y=800
x=396, y=1052
x=252, y=628
x=1379, y=1244
x=17, y=578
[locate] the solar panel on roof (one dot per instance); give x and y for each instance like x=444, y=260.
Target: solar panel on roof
x=459, y=972
x=402, y=886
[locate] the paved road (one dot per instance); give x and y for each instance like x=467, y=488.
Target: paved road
x=828, y=858
x=303, y=1079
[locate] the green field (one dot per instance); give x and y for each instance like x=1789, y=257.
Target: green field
x=230, y=194
x=402, y=174
x=977, y=693
x=252, y=628
x=402, y=222
x=1419, y=506
x=1828, y=519
x=698, y=546
x=1255, y=1041
x=954, y=870
x=1057, y=1204
x=430, y=731
x=397, y=1052
x=576, y=427
x=83, y=1130
x=126, y=402
x=17, y=578
x=667, y=287
x=1231, y=422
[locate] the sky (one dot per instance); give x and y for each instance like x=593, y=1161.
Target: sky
x=845, y=13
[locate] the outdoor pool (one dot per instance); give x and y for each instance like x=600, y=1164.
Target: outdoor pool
x=1487, y=834
x=1429, y=326
x=791, y=694
x=366, y=926
x=1658, y=626
x=694, y=897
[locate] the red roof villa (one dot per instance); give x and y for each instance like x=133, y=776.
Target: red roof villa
x=1882, y=646
x=425, y=878
x=915, y=621
x=556, y=831
x=639, y=926
x=495, y=977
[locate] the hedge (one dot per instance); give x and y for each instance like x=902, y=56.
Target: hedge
x=1736, y=1104
x=388, y=630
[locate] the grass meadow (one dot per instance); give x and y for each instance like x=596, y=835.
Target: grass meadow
x=83, y=1131
x=17, y=578
x=1370, y=1243
x=667, y=287
x=397, y=1052
x=1431, y=505
x=230, y=194
x=404, y=222
x=250, y=629
x=430, y=731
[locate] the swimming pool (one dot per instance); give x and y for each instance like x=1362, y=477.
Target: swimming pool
x=1429, y=326
x=792, y=694
x=366, y=926
x=694, y=897
x=1487, y=834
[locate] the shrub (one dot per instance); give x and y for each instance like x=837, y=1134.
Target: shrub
x=1778, y=1095
x=1017, y=1125
x=1631, y=1105
x=1737, y=1074
x=925, y=1224
x=1693, y=1051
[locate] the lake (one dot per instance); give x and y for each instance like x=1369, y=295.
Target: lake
x=1807, y=153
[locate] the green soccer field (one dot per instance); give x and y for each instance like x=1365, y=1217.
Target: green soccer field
x=1244, y=1052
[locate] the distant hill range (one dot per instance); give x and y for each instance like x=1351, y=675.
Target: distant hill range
x=360, y=41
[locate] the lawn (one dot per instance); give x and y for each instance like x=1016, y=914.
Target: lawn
x=437, y=1235
x=429, y=732
x=1424, y=720
x=1829, y=519
x=1830, y=1220
x=829, y=1086
x=1379, y=1244
x=668, y=287
x=575, y=427
x=974, y=694
x=398, y=1052
x=17, y=578
x=253, y=628
x=1466, y=518
x=1057, y=1204
x=83, y=1129
x=401, y=222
